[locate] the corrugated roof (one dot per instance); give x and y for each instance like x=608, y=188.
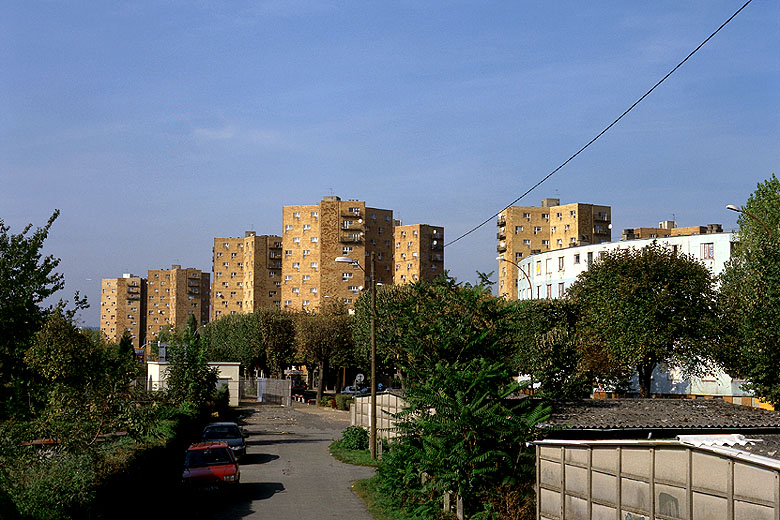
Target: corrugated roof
x=659, y=414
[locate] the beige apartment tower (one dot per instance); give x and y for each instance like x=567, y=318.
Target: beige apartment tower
x=172, y=296
x=314, y=236
x=526, y=230
x=122, y=304
x=247, y=274
x=419, y=253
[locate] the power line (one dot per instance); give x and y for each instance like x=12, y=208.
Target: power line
x=613, y=123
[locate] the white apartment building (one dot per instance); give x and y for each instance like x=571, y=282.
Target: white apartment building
x=550, y=274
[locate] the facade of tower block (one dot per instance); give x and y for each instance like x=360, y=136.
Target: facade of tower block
x=419, y=253
x=528, y=230
x=123, y=307
x=315, y=235
x=172, y=296
x=247, y=274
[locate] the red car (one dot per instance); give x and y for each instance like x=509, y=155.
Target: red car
x=210, y=463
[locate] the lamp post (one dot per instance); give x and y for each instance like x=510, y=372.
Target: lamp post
x=530, y=285
x=732, y=207
x=372, y=425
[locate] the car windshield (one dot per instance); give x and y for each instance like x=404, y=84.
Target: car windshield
x=221, y=432
x=207, y=457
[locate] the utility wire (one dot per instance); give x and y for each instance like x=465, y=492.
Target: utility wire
x=613, y=123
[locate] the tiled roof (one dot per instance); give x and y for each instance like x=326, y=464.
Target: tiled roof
x=659, y=414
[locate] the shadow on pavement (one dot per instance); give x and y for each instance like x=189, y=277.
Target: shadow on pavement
x=258, y=458
x=285, y=441
x=258, y=490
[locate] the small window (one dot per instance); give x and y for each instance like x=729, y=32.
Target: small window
x=576, y=259
x=708, y=251
x=518, y=229
x=296, y=214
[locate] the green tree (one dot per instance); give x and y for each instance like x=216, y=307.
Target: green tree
x=86, y=382
x=551, y=352
x=189, y=379
x=264, y=338
x=27, y=278
x=644, y=307
x=414, y=320
x=324, y=339
x=749, y=296
x=456, y=345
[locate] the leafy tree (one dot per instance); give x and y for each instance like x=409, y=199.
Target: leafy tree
x=647, y=306
x=189, y=379
x=27, y=278
x=461, y=428
x=86, y=382
x=419, y=324
x=749, y=297
x=264, y=338
x=324, y=338
x=550, y=351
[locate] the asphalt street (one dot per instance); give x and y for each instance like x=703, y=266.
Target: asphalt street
x=288, y=472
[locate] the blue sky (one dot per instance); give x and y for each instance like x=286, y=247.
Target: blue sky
x=157, y=125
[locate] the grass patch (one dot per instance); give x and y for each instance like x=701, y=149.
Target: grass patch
x=368, y=490
x=355, y=457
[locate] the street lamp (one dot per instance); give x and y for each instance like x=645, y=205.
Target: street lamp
x=372, y=425
x=732, y=207
x=530, y=285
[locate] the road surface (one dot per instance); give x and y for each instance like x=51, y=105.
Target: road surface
x=288, y=472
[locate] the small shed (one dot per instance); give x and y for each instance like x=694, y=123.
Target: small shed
x=665, y=459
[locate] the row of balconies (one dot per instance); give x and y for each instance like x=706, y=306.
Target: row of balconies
x=351, y=224
x=351, y=238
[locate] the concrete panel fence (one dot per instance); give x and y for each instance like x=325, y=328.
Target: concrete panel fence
x=387, y=405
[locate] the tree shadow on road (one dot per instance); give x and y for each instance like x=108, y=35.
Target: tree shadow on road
x=257, y=458
x=286, y=441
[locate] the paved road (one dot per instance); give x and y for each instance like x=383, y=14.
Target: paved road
x=288, y=472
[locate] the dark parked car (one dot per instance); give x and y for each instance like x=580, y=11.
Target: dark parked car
x=228, y=432
x=210, y=464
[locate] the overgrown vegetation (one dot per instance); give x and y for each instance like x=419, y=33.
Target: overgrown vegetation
x=466, y=427
x=72, y=422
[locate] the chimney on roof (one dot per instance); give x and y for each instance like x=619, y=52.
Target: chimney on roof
x=549, y=203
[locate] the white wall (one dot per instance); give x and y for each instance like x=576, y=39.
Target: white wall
x=228, y=372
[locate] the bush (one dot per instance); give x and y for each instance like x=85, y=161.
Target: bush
x=222, y=401
x=354, y=438
x=343, y=401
